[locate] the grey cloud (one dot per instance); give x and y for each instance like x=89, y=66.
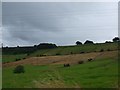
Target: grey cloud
x=27, y=23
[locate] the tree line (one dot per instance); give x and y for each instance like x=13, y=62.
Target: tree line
x=116, y=39
x=28, y=49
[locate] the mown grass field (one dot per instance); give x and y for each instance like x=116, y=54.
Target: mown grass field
x=101, y=73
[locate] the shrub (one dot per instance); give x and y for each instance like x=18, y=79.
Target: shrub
x=82, y=52
x=90, y=59
x=41, y=55
x=101, y=50
x=108, y=49
x=19, y=69
x=17, y=59
x=57, y=53
x=44, y=55
x=80, y=62
x=67, y=65
x=71, y=52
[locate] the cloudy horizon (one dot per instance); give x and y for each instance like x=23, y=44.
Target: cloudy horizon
x=62, y=23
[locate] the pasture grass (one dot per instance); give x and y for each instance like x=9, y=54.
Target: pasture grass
x=63, y=50
x=12, y=58
x=102, y=73
x=77, y=49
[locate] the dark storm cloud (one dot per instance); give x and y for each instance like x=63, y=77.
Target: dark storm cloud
x=26, y=23
x=41, y=16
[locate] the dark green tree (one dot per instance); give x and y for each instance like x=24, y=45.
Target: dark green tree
x=116, y=39
x=78, y=43
x=88, y=42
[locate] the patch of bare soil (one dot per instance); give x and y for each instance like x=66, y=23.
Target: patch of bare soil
x=71, y=59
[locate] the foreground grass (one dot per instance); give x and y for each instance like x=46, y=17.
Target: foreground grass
x=101, y=73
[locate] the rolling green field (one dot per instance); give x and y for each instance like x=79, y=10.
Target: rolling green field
x=63, y=50
x=101, y=73
x=77, y=49
x=12, y=58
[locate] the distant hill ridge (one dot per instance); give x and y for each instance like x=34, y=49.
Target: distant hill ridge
x=27, y=49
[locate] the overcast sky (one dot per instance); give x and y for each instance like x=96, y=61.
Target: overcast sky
x=30, y=23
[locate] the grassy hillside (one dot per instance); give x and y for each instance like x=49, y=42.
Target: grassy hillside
x=77, y=49
x=63, y=59
x=12, y=58
x=64, y=50
x=102, y=73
